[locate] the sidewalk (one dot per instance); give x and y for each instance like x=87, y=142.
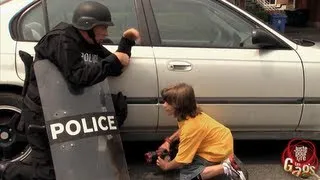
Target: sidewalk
x=309, y=33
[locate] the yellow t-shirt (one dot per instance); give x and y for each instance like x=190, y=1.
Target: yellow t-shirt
x=205, y=137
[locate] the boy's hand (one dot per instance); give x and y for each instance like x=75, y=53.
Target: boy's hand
x=132, y=34
x=165, y=146
x=162, y=163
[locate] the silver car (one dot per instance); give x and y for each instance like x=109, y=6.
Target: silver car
x=246, y=75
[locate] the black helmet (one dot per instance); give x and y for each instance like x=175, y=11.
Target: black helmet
x=90, y=14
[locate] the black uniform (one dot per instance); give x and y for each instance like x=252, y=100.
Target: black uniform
x=82, y=64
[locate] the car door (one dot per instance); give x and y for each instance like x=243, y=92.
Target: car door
x=138, y=82
x=208, y=44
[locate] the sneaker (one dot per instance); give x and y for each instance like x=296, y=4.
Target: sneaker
x=241, y=166
x=233, y=168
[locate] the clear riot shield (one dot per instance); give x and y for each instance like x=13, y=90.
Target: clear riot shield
x=83, y=134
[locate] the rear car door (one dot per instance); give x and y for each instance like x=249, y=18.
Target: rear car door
x=138, y=82
x=208, y=44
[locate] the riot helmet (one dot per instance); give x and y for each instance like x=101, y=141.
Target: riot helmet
x=90, y=14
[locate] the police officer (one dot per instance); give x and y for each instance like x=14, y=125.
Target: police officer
x=77, y=52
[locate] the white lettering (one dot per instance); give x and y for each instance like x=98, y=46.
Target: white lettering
x=305, y=168
x=86, y=57
x=95, y=58
x=90, y=58
x=102, y=118
x=55, y=131
x=301, y=153
x=78, y=127
x=312, y=170
x=85, y=127
x=288, y=165
x=297, y=171
x=111, y=122
x=94, y=122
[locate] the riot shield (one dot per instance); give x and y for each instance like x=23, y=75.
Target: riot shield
x=83, y=134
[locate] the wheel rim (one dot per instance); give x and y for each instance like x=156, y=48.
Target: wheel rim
x=13, y=144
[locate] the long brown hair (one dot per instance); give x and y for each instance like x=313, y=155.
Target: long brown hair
x=182, y=98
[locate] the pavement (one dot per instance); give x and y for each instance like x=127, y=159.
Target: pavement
x=261, y=159
x=270, y=171
x=256, y=171
x=309, y=33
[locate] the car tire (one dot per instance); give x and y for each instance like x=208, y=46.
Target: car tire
x=13, y=144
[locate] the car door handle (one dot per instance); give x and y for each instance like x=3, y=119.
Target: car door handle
x=179, y=66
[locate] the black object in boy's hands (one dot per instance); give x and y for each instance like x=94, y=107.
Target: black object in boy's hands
x=152, y=156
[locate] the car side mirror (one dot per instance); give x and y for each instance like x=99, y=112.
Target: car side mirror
x=263, y=39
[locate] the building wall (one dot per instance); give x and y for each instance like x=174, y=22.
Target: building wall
x=239, y=3
x=303, y=4
x=282, y=1
x=242, y=4
x=314, y=10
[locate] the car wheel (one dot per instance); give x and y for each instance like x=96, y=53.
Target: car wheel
x=13, y=143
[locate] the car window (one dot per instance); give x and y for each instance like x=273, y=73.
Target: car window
x=32, y=26
x=200, y=23
x=122, y=12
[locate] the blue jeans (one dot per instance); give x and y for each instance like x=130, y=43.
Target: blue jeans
x=196, y=167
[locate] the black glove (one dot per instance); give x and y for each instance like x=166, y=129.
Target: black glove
x=120, y=107
x=125, y=46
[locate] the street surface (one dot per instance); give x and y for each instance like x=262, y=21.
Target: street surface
x=308, y=33
x=262, y=159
